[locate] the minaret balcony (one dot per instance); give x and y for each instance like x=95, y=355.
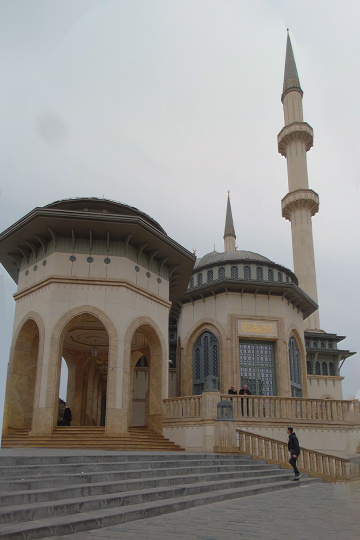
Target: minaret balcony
x=302, y=198
x=298, y=131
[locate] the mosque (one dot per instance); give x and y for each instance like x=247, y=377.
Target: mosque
x=144, y=326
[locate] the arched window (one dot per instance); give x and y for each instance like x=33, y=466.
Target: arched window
x=142, y=362
x=191, y=283
x=308, y=367
x=221, y=272
x=287, y=279
x=280, y=277
x=200, y=279
x=314, y=344
x=210, y=276
x=270, y=274
x=205, y=360
x=259, y=273
x=317, y=368
x=332, y=369
x=295, y=368
x=247, y=272
x=322, y=344
x=324, y=368
x=330, y=345
x=234, y=272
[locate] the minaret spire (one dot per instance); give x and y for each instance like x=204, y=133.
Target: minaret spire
x=301, y=203
x=229, y=232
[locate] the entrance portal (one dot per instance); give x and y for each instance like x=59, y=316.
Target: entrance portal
x=85, y=350
x=146, y=382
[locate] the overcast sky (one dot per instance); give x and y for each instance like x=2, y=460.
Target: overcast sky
x=165, y=105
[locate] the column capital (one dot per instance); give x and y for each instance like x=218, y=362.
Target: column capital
x=302, y=198
x=296, y=131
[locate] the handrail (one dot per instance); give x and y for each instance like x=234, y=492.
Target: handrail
x=315, y=463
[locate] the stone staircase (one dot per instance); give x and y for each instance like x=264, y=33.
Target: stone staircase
x=48, y=493
x=93, y=438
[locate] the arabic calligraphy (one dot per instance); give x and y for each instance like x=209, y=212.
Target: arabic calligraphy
x=248, y=327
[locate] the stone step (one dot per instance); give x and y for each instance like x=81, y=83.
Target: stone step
x=105, y=517
x=44, y=510
x=168, y=477
x=33, y=471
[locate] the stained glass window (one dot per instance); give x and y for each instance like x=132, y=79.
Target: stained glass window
x=205, y=360
x=259, y=273
x=247, y=272
x=295, y=368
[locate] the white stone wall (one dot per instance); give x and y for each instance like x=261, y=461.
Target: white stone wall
x=320, y=387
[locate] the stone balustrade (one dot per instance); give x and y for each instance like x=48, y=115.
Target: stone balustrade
x=273, y=407
x=183, y=407
x=315, y=463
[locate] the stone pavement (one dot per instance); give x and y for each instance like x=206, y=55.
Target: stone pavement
x=316, y=512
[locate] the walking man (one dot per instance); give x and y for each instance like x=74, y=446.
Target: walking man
x=294, y=449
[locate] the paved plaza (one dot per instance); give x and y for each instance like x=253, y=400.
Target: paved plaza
x=316, y=512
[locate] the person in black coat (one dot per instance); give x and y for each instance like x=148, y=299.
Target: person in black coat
x=294, y=449
x=244, y=392
x=232, y=390
x=67, y=416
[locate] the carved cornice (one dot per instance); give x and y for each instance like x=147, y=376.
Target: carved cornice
x=301, y=199
x=299, y=131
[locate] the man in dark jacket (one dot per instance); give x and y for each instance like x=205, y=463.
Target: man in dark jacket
x=294, y=449
x=244, y=392
x=232, y=390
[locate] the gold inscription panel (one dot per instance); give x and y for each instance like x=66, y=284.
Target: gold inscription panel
x=257, y=328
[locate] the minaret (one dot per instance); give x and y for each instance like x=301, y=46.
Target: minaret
x=301, y=203
x=229, y=232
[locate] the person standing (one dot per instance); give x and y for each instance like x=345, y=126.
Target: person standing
x=232, y=390
x=244, y=392
x=67, y=416
x=294, y=449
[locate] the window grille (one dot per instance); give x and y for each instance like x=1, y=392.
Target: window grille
x=332, y=369
x=308, y=367
x=295, y=368
x=200, y=279
x=324, y=368
x=317, y=368
x=330, y=344
x=259, y=273
x=307, y=343
x=280, y=277
x=315, y=344
x=210, y=276
x=205, y=360
x=270, y=275
x=322, y=344
x=234, y=272
x=247, y=272
x=172, y=361
x=257, y=367
x=221, y=272
x=191, y=282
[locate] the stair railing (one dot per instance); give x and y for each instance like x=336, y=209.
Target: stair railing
x=330, y=468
